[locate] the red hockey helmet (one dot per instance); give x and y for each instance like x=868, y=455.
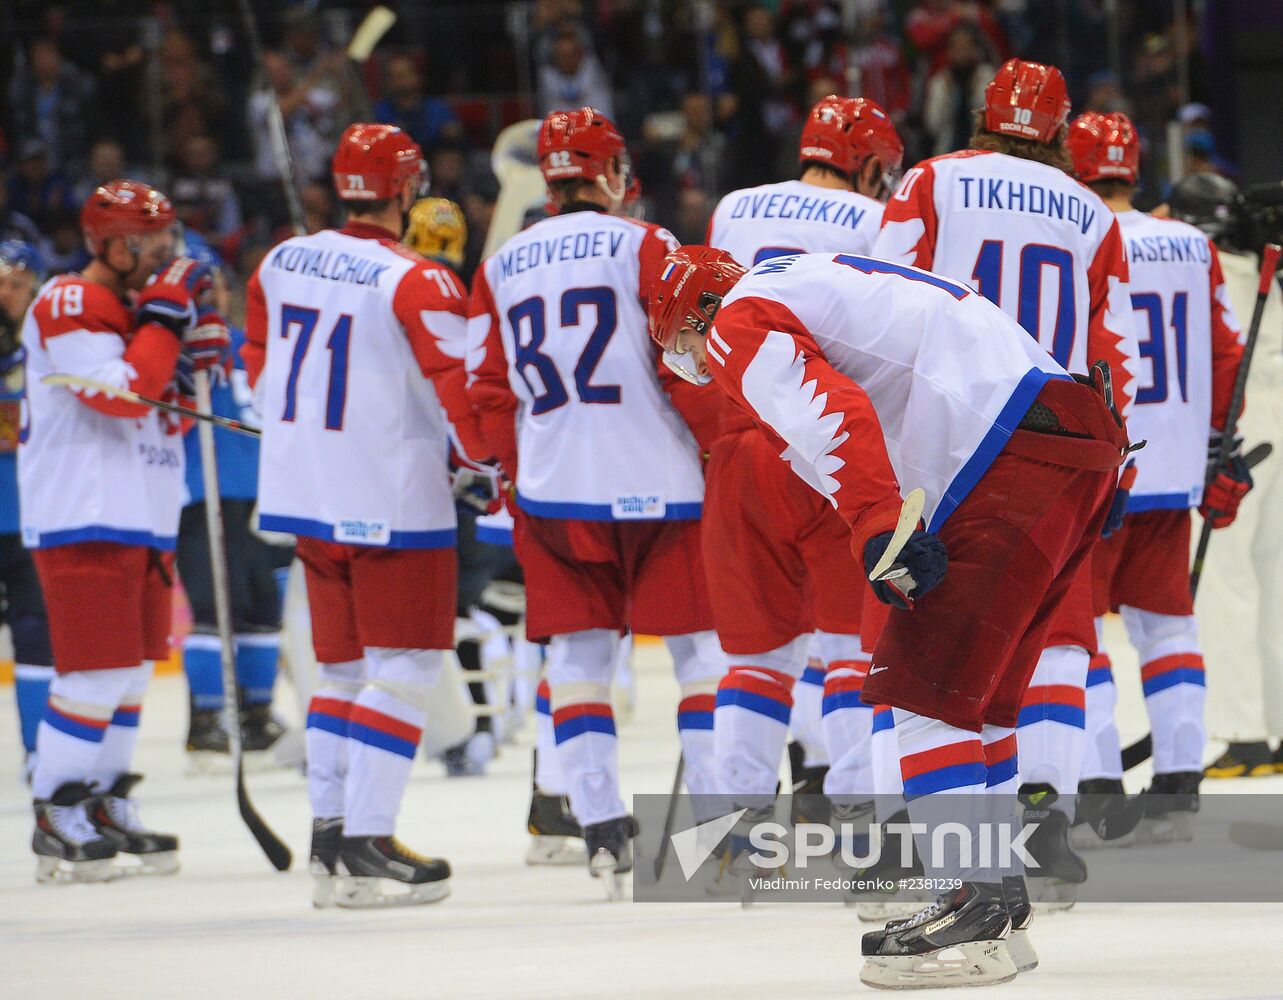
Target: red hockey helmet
x=124, y=208
x=843, y=132
x=1026, y=100
x=578, y=144
x=1104, y=147
x=373, y=161
x=689, y=290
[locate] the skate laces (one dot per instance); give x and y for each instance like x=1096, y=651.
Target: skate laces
x=124, y=813
x=72, y=822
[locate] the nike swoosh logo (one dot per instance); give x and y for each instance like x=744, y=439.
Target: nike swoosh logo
x=877, y=670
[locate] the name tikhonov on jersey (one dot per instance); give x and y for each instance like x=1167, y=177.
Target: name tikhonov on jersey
x=85, y=476
x=773, y=220
x=1180, y=301
x=596, y=434
x=899, y=333
x=1025, y=235
x=354, y=438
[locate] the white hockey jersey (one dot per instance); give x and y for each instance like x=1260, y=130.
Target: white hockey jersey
x=354, y=345
x=1190, y=347
x=774, y=220
x=948, y=374
x=92, y=469
x=1029, y=238
x=566, y=380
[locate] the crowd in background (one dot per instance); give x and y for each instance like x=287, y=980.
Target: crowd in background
x=710, y=94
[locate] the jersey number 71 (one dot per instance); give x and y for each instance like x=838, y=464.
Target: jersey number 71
x=305, y=320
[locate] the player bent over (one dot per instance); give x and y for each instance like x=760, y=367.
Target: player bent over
x=585, y=420
x=1192, y=344
x=355, y=345
x=101, y=484
x=840, y=356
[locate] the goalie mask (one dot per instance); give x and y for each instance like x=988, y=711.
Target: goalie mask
x=686, y=296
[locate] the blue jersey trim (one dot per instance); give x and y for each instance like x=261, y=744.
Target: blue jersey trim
x=103, y=533
x=494, y=536
x=443, y=538
x=605, y=511
x=1158, y=501
x=991, y=444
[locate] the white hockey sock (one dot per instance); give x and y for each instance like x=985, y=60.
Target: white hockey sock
x=1172, y=677
x=1102, y=753
x=326, y=736
x=118, y=743
x=1001, y=764
x=699, y=664
x=580, y=665
x=549, y=778
x=848, y=728
x=1051, y=726
x=383, y=732
x=884, y=751
x=805, y=720
x=70, y=736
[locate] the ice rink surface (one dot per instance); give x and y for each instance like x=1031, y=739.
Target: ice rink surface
x=228, y=926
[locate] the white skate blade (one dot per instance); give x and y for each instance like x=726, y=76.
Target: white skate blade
x=976, y=963
x=603, y=866
x=56, y=871
x=1083, y=838
x=1050, y=895
x=1174, y=828
x=1021, y=950
x=880, y=913
x=205, y=763
x=366, y=892
x=324, y=887
x=157, y=863
x=546, y=850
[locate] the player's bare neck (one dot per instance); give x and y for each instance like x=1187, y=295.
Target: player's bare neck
x=580, y=205
x=818, y=177
x=390, y=219
x=100, y=274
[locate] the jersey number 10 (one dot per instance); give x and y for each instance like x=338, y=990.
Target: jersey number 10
x=1034, y=257
x=305, y=320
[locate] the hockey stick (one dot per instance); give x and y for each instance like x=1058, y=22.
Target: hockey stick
x=277, y=853
x=370, y=32
x=1141, y=750
x=670, y=817
x=276, y=125
x=129, y=396
x=910, y=515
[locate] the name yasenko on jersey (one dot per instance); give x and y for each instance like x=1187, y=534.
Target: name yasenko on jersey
x=1015, y=196
x=1178, y=250
x=572, y=246
x=314, y=263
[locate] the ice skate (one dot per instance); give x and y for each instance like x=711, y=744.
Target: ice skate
x=1243, y=760
x=872, y=907
x=1171, y=802
x=1015, y=894
x=1104, y=816
x=327, y=839
x=809, y=804
x=610, y=852
x=259, y=730
x=1059, y=869
x=376, y=872
x=957, y=941
x=207, y=746
x=555, y=836
x=115, y=816
x=469, y=759
x=68, y=847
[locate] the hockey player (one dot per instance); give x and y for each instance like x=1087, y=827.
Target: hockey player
x=101, y=483
x=254, y=567
x=354, y=345
x=865, y=372
x=1241, y=589
x=21, y=606
x=609, y=487
x=764, y=608
x=1006, y=218
x=1190, y=351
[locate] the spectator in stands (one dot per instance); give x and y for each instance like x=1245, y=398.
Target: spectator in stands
x=573, y=77
x=884, y=74
x=699, y=161
x=310, y=149
x=202, y=195
x=428, y=120
x=930, y=25
x=15, y=225
x=335, y=91
x=478, y=208
x=955, y=90
x=106, y=162
x=35, y=188
x=760, y=79
x=447, y=169
x=192, y=99
x=64, y=246
x=317, y=199
x=1105, y=94
x=50, y=99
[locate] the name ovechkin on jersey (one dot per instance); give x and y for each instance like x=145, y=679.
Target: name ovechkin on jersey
x=572, y=246
x=777, y=206
x=315, y=263
x=998, y=193
x=1169, y=249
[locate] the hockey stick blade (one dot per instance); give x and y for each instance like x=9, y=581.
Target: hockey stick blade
x=370, y=33
x=79, y=382
x=1138, y=752
x=670, y=817
x=1258, y=454
x=910, y=515
x=273, y=847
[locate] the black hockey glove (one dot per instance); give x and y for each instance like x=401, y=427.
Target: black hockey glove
x=924, y=560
